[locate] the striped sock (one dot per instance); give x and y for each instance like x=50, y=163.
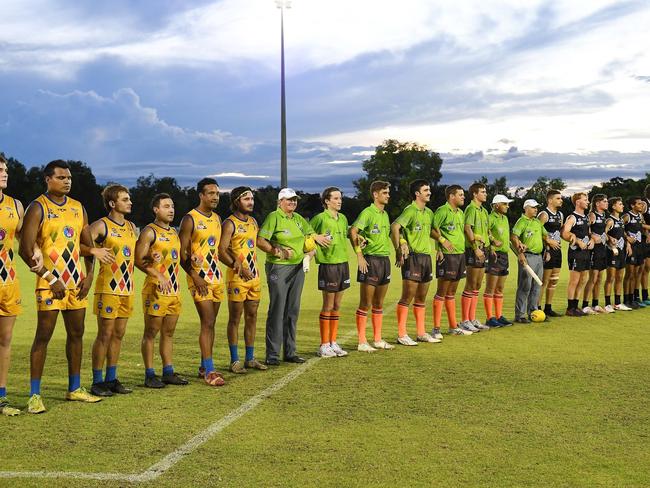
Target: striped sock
x=465, y=304
x=473, y=304
x=419, y=310
x=488, y=304
x=498, y=305
x=402, y=316
x=324, y=322
x=450, y=306
x=377, y=321
x=334, y=325
x=362, y=321
x=438, y=305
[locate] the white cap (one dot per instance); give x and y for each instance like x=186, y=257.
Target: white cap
x=531, y=202
x=501, y=199
x=287, y=193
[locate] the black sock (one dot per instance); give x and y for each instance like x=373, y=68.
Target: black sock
x=547, y=308
x=585, y=303
x=608, y=300
x=636, y=295
x=644, y=294
x=594, y=303
x=569, y=304
x=574, y=304
x=627, y=298
x=617, y=299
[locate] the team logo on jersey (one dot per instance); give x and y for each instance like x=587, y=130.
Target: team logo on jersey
x=450, y=227
x=201, y=225
x=3, y=234
x=250, y=243
x=417, y=227
x=174, y=254
x=109, y=309
x=212, y=241
x=126, y=250
x=375, y=229
x=68, y=232
x=286, y=232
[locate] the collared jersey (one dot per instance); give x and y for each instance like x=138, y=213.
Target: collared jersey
x=58, y=239
x=168, y=246
x=477, y=217
x=204, y=244
x=9, y=219
x=530, y=232
x=451, y=225
x=242, y=245
x=117, y=278
x=416, y=228
x=374, y=226
x=500, y=229
x=287, y=232
x=336, y=229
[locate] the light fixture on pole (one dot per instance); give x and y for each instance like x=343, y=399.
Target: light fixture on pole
x=283, y=4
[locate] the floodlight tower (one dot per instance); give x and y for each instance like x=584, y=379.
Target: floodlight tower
x=282, y=5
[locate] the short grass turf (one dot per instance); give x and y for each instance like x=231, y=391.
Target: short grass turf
x=555, y=404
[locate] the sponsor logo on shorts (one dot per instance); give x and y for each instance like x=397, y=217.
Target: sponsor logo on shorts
x=68, y=232
x=347, y=282
x=156, y=306
x=109, y=309
x=100, y=305
x=236, y=291
x=212, y=241
x=321, y=283
x=48, y=301
x=273, y=277
x=126, y=250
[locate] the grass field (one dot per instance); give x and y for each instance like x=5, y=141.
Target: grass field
x=557, y=404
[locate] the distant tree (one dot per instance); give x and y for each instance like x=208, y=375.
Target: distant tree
x=148, y=186
x=622, y=187
x=85, y=189
x=541, y=186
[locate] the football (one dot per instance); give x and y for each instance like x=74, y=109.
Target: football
x=537, y=316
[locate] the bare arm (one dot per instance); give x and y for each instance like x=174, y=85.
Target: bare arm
x=357, y=242
x=85, y=239
x=400, y=245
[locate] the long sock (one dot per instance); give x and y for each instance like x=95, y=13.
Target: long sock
x=3, y=391
x=547, y=308
x=402, y=316
x=569, y=304
x=473, y=305
x=362, y=320
x=234, y=352
x=498, y=305
x=488, y=304
x=450, y=306
x=377, y=321
x=324, y=323
x=98, y=376
x=419, y=311
x=250, y=353
x=35, y=386
x=168, y=369
x=208, y=364
x=438, y=305
x=617, y=299
x=608, y=300
x=111, y=373
x=644, y=294
x=74, y=382
x=465, y=305
x=334, y=325
x=594, y=303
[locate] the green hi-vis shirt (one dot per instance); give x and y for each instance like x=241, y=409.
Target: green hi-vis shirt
x=373, y=224
x=337, y=231
x=477, y=217
x=500, y=229
x=451, y=225
x=416, y=228
x=285, y=231
x=531, y=233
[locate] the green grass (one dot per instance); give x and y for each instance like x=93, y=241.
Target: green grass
x=557, y=404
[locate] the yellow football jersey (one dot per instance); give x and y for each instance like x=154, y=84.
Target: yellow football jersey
x=205, y=246
x=167, y=245
x=9, y=219
x=58, y=239
x=243, y=244
x=117, y=278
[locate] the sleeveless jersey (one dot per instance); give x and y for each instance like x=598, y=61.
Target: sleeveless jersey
x=242, y=244
x=167, y=244
x=634, y=226
x=598, y=227
x=580, y=229
x=9, y=219
x=617, y=232
x=646, y=215
x=58, y=239
x=205, y=245
x=554, y=224
x=117, y=278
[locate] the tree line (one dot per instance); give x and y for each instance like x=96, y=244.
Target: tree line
x=393, y=161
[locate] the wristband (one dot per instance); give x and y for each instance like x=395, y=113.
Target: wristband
x=442, y=240
x=46, y=274
x=53, y=280
x=402, y=241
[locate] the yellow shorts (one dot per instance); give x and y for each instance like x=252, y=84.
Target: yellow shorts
x=109, y=306
x=241, y=291
x=45, y=300
x=159, y=305
x=215, y=293
x=10, y=300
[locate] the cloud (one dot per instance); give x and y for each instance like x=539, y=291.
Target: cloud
x=238, y=175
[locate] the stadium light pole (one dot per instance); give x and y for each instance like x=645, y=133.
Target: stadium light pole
x=283, y=4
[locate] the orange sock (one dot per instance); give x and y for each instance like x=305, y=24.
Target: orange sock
x=402, y=316
x=450, y=306
x=334, y=325
x=488, y=302
x=377, y=320
x=465, y=304
x=438, y=304
x=419, y=311
x=473, y=304
x=324, y=320
x=498, y=306
x=362, y=320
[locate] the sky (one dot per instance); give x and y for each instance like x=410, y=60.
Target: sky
x=556, y=88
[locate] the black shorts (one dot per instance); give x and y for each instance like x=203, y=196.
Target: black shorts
x=378, y=271
x=598, y=259
x=451, y=268
x=637, y=256
x=333, y=277
x=618, y=261
x=497, y=264
x=471, y=261
x=579, y=259
x=555, y=258
x=418, y=268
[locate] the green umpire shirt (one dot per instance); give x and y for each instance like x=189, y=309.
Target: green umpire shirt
x=500, y=229
x=285, y=231
x=451, y=225
x=477, y=217
x=416, y=228
x=373, y=224
x=531, y=233
x=337, y=230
